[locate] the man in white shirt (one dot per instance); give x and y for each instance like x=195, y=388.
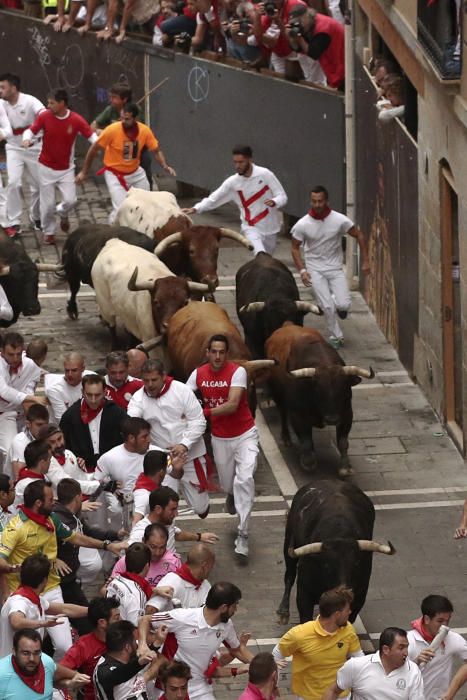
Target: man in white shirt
x=320, y=232
x=163, y=508
x=37, y=461
x=64, y=463
x=436, y=666
x=386, y=675
x=157, y=471
x=62, y=390
x=189, y=582
x=259, y=196
x=37, y=417
x=200, y=633
x=5, y=132
x=130, y=588
x=18, y=378
x=177, y=425
x=21, y=110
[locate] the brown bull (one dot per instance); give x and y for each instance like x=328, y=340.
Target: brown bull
x=312, y=386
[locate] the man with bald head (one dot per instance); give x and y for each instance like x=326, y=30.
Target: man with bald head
x=136, y=360
x=62, y=390
x=189, y=582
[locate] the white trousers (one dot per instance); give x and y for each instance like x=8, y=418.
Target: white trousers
x=3, y=220
x=262, y=242
x=8, y=431
x=331, y=292
x=64, y=181
x=61, y=634
x=200, y=690
x=90, y=565
x=189, y=484
x=236, y=461
x=19, y=162
x=118, y=193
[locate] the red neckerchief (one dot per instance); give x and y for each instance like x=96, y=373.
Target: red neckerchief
x=185, y=573
x=319, y=215
x=140, y=581
x=88, y=414
x=35, y=682
x=15, y=370
x=61, y=459
x=38, y=518
x=145, y=482
x=25, y=473
x=5, y=510
x=419, y=626
x=165, y=388
x=30, y=594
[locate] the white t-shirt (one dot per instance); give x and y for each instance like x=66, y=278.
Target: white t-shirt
x=57, y=472
x=322, y=240
x=187, y=594
x=17, y=603
x=19, y=491
x=22, y=115
x=16, y=452
x=121, y=465
x=131, y=597
x=136, y=535
x=368, y=680
x=175, y=418
x=437, y=673
x=141, y=496
x=16, y=386
x=197, y=642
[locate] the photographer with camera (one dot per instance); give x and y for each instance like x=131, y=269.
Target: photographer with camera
x=179, y=29
x=240, y=39
x=320, y=38
x=270, y=29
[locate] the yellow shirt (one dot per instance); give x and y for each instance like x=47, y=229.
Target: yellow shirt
x=317, y=656
x=23, y=537
x=121, y=153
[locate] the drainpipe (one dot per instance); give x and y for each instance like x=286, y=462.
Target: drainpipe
x=352, y=246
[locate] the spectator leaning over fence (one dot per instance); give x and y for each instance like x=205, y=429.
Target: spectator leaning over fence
x=239, y=37
x=269, y=26
x=259, y=196
x=322, y=39
x=122, y=144
x=60, y=128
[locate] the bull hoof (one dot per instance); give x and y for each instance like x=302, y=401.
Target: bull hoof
x=308, y=462
x=345, y=471
x=72, y=313
x=282, y=618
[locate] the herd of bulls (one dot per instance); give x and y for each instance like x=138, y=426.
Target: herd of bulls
x=145, y=270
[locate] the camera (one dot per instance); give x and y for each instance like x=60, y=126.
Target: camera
x=183, y=41
x=295, y=28
x=244, y=27
x=270, y=8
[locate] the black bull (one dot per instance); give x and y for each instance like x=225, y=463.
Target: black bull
x=340, y=517
x=21, y=285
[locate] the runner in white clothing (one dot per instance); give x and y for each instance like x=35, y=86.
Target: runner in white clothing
x=200, y=633
x=320, y=232
x=63, y=390
x=436, y=666
x=21, y=110
x=37, y=417
x=259, y=196
x=5, y=133
x=178, y=425
x=386, y=675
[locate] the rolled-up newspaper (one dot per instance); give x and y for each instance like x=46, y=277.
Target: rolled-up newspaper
x=437, y=641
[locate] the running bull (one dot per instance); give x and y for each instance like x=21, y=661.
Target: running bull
x=328, y=542
x=313, y=387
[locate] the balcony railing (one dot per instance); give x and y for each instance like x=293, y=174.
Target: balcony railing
x=439, y=32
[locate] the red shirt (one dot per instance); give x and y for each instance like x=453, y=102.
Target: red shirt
x=123, y=395
x=214, y=388
x=83, y=656
x=282, y=47
x=59, y=136
x=252, y=692
x=332, y=60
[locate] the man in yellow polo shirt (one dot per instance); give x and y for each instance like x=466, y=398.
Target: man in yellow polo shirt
x=320, y=647
x=35, y=531
x=122, y=143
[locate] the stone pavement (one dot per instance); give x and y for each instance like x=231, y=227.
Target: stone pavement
x=400, y=454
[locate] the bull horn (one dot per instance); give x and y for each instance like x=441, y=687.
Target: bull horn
x=254, y=306
x=236, y=236
x=198, y=286
x=370, y=546
x=304, y=372
x=307, y=307
x=352, y=370
x=313, y=548
x=165, y=242
x=133, y=287
x=256, y=365
x=4, y=271
x=49, y=267
x=151, y=343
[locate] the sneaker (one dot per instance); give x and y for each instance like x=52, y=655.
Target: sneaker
x=241, y=545
x=12, y=231
x=64, y=224
x=49, y=239
x=342, y=314
x=336, y=343
x=230, y=504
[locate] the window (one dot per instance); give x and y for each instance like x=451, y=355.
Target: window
x=439, y=32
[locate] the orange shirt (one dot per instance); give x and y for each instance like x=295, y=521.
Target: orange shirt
x=121, y=153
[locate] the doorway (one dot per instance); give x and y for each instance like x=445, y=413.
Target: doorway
x=452, y=311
